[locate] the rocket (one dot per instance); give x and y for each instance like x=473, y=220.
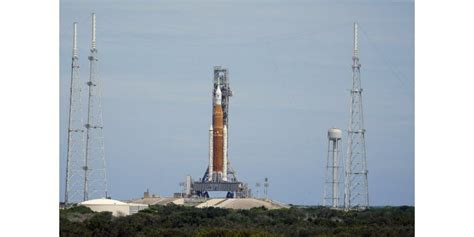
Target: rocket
x=218, y=141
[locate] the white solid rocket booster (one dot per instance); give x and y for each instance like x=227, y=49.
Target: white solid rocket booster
x=224, y=172
x=211, y=145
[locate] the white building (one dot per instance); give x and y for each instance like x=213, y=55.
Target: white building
x=117, y=208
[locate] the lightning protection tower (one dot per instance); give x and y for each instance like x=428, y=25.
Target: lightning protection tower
x=75, y=140
x=95, y=180
x=331, y=187
x=356, y=191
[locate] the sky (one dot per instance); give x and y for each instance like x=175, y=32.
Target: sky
x=289, y=64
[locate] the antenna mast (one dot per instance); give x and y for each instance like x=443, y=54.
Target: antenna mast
x=95, y=179
x=75, y=141
x=356, y=191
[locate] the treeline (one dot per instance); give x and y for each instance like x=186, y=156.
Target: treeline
x=175, y=220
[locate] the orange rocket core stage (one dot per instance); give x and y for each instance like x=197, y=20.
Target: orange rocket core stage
x=218, y=139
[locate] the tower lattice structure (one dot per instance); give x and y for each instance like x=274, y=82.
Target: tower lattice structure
x=75, y=141
x=95, y=178
x=356, y=192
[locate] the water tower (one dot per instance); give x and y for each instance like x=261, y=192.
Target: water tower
x=331, y=196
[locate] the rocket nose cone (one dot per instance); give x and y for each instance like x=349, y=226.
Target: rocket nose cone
x=218, y=95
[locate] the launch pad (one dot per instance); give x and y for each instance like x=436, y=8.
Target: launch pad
x=233, y=189
x=219, y=175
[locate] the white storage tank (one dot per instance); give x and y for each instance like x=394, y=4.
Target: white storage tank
x=335, y=134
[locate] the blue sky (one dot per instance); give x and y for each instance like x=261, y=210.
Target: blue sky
x=290, y=70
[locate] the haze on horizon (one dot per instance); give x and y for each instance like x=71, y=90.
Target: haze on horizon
x=290, y=71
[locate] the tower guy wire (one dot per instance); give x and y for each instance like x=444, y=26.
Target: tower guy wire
x=401, y=77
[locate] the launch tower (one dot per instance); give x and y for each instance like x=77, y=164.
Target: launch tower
x=356, y=191
x=219, y=176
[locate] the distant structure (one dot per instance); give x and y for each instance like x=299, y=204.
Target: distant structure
x=75, y=138
x=331, y=187
x=219, y=176
x=266, y=184
x=356, y=191
x=186, y=188
x=95, y=179
x=257, y=188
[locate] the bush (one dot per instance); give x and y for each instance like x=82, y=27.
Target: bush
x=185, y=221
